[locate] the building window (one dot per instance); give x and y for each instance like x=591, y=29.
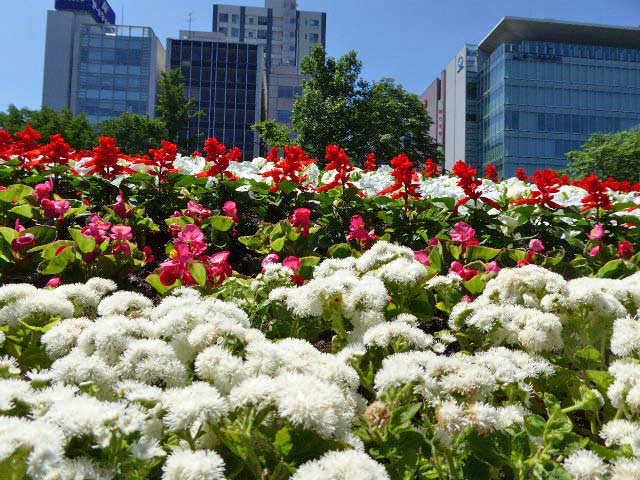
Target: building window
x=235, y=19
x=313, y=23
x=251, y=34
x=314, y=37
x=263, y=20
x=224, y=30
x=283, y=116
x=262, y=34
x=251, y=20
x=235, y=32
x=223, y=17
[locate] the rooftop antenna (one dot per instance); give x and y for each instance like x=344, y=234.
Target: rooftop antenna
x=190, y=21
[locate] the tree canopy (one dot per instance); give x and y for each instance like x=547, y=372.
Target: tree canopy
x=614, y=155
x=172, y=106
x=339, y=107
x=135, y=133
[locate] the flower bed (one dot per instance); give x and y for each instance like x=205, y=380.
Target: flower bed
x=200, y=317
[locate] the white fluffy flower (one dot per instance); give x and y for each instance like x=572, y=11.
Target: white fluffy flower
x=382, y=335
x=152, y=362
x=626, y=469
x=626, y=336
x=32, y=306
x=198, y=465
x=622, y=432
x=63, y=337
x=77, y=368
x=130, y=304
x=191, y=406
x=349, y=464
x=218, y=366
x=585, y=465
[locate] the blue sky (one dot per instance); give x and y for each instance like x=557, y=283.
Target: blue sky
x=409, y=40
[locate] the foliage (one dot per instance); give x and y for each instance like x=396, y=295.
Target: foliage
x=134, y=133
x=173, y=108
x=77, y=130
x=614, y=155
x=273, y=134
x=340, y=108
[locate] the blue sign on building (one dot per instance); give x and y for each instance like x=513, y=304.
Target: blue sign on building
x=100, y=10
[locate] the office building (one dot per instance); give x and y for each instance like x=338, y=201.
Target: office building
x=533, y=90
x=227, y=80
x=286, y=34
x=95, y=67
x=433, y=100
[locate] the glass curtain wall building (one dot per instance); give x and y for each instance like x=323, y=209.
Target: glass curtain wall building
x=542, y=88
x=95, y=67
x=226, y=80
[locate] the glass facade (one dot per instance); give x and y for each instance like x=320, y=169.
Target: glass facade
x=224, y=80
x=541, y=100
x=115, y=64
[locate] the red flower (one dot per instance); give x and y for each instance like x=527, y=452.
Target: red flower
x=148, y=254
x=56, y=152
x=521, y=174
x=625, y=250
x=548, y=184
x=177, y=267
x=359, y=232
x=463, y=272
x=597, y=194
x=163, y=160
x=271, y=258
x=220, y=159
x=404, y=187
x=431, y=169
x=294, y=263
x=288, y=168
x=218, y=268
x=120, y=207
x=6, y=144
x=469, y=184
x=55, y=208
x=54, y=282
x=338, y=161
x=422, y=257
x=491, y=173
x=371, y=165
x=26, y=141
x=301, y=219
x=105, y=159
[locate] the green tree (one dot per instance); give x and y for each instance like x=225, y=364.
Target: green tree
x=273, y=134
x=135, y=133
x=173, y=107
x=338, y=107
x=76, y=130
x=614, y=155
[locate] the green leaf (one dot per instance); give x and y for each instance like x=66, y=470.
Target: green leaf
x=601, y=379
x=278, y=244
x=435, y=257
x=221, y=223
x=9, y=234
x=340, y=250
x=199, y=273
x=25, y=211
x=161, y=288
x=535, y=425
x=85, y=244
x=308, y=264
x=15, y=193
x=479, y=252
x=475, y=285
x=456, y=251
x=43, y=234
x=612, y=269
x=58, y=263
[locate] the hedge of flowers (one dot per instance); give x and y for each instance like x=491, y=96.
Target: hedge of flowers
x=201, y=317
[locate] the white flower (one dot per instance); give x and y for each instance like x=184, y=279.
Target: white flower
x=451, y=418
x=139, y=392
x=80, y=294
x=13, y=391
x=190, y=165
x=382, y=335
x=77, y=368
x=216, y=365
x=382, y=253
x=622, y=432
x=585, y=465
x=32, y=306
x=190, y=407
x=626, y=336
x=147, y=448
x=348, y=464
x=198, y=465
x=81, y=468
x=152, y=362
x=626, y=469
x=102, y=286
x=256, y=391
x=9, y=367
x=130, y=304
x=63, y=337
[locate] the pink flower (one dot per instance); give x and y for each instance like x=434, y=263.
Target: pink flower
x=460, y=270
x=193, y=237
x=434, y=242
x=231, y=210
x=493, y=267
x=121, y=232
x=97, y=228
x=597, y=233
x=625, y=250
x=462, y=232
x=294, y=263
x=54, y=282
x=55, y=208
x=422, y=257
x=19, y=227
x=197, y=211
x=22, y=243
x=148, y=254
x=301, y=219
x=43, y=190
x=123, y=249
x=595, y=251
x=218, y=268
x=467, y=299
x=271, y=258
x=175, y=229
x=120, y=206
x=536, y=245
x=177, y=267
x=360, y=233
